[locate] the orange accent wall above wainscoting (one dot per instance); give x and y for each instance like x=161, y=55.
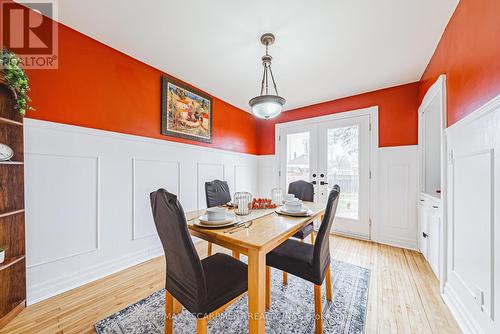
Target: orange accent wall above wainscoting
x=469, y=55
x=99, y=87
x=398, y=115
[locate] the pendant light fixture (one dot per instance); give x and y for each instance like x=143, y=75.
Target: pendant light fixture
x=267, y=105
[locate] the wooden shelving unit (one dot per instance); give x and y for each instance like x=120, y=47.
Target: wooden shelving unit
x=13, y=269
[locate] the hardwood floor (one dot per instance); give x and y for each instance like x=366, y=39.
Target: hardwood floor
x=403, y=295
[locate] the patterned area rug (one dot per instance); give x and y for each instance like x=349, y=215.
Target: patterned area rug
x=292, y=309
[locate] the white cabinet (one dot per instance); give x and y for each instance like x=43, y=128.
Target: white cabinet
x=433, y=180
x=429, y=217
x=423, y=219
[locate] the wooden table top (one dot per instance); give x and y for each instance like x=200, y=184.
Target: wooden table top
x=264, y=234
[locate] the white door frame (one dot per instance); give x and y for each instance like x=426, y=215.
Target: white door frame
x=437, y=89
x=372, y=112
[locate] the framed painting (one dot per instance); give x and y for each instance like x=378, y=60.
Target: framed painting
x=185, y=112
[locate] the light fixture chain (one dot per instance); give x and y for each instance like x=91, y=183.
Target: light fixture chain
x=267, y=81
x=262, y=84
x=272, y=78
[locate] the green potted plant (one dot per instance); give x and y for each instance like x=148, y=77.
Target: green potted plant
x=13, y=76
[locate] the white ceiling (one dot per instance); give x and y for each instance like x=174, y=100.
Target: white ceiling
x=325, y=49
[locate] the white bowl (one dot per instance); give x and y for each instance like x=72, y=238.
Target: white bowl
x=216, y=213
x=289, y=197
x=293, y=206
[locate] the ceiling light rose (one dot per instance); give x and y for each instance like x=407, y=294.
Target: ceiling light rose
x=267, y=105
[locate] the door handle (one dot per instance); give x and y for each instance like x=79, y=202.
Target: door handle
x=322, y=183
x=313, y=182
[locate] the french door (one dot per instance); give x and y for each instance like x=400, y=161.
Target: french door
x=327, y=153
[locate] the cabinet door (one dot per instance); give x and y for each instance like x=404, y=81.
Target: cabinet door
x=434, y=239
x=423, y=215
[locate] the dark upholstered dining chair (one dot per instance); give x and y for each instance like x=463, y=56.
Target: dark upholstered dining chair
x=217, y=193
x=309, y=262
x=202, y=287
x=305, y=192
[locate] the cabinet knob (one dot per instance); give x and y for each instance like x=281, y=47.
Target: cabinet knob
x=435, y=207
x=425, y=235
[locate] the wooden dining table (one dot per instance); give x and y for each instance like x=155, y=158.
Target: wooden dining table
x=263, y=235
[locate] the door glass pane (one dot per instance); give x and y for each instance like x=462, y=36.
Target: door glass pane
x=297, y=157
x=343, y=168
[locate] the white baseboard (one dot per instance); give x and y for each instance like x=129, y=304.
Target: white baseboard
x=396, y=242
x=39, y=292
x=465, y=321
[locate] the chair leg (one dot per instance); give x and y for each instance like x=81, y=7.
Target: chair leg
x=201, y=326
x=329, y=284
x=177, y=308
x=209, y=250
x=268, y=287
x=236, y=255
x=169, y=312
x=285, y=278
x=312, y=238
x=318, y=312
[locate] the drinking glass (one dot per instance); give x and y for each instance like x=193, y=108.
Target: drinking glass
x=242, y=202
x=277, y=196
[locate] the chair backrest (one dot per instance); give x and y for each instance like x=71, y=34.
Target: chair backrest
x=217, y=193
x=302, y=190
x=185, y=278
x=322, y=243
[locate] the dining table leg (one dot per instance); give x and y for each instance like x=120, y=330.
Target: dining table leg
x=236, y=255
x=256, y=291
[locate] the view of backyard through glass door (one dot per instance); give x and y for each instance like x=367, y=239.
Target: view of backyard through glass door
x=343, y=168
x=329, y=153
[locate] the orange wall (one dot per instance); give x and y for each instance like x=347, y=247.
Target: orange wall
x=469, y=55
x=398, y=116
x=99, y=87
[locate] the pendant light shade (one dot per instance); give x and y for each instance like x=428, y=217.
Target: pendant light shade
x=267, y=105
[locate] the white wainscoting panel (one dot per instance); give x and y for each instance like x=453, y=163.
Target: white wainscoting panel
x=87, y=198
x=395, y=213
x=148, y=176
x=473, y=281
x=49, y=203
x=244, y=177
x=268, y=174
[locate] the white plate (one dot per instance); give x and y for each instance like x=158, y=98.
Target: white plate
x=230, y=217
x=5, y=152
x=200, y=224
x=301, y=213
